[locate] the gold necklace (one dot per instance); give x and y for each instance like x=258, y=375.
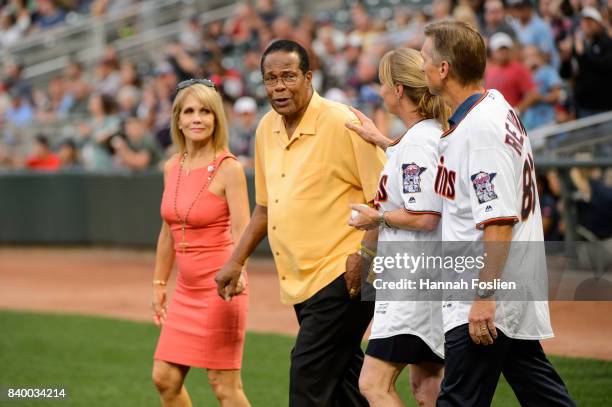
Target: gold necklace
x=183, y=244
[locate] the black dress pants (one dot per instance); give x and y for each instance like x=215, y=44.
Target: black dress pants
x=327, y=357
x=472, y=371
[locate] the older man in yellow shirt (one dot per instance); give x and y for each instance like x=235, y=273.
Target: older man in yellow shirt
x=308, y=169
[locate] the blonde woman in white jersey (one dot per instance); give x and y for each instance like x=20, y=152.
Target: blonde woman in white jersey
x=408, y=210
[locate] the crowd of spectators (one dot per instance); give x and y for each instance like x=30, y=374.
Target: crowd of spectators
x=551, y=60
x=20, y=18
x=590, y=194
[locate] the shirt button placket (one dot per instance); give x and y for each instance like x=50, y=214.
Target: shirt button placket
x=286, y=161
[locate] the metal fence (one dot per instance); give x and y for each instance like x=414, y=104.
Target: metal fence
x=591, y=135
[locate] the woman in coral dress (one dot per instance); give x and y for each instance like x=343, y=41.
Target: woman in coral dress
x=204, y=211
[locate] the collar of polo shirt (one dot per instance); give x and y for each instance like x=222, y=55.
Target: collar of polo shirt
x=308, y=121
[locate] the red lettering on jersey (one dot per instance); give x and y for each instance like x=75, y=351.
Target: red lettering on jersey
x=512, y=139
x=450, y=192
x=381, y=195
x=439, y=175
x=445, y=181
x=530, y=193
x=516, y=122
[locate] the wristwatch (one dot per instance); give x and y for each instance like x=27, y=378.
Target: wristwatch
x=485, y=293
x=382, y=221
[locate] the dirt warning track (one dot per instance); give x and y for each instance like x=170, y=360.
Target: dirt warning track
x=117, y=283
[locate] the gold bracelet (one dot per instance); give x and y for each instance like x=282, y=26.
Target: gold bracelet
x=159, y=282
x=367, y=251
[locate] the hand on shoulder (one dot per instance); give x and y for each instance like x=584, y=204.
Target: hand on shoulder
x=366, y=129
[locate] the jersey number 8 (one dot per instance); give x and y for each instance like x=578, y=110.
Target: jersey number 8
x=529, y=189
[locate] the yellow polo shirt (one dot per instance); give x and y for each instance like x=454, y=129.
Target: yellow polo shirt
x=307, y=183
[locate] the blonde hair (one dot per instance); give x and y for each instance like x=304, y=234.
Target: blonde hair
x=211, y=100
x=403, y=66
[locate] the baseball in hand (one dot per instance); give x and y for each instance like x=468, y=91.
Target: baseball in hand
x=355, y=213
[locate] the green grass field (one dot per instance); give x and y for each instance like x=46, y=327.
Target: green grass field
x=104, y=362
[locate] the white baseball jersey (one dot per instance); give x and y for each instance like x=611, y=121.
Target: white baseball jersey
x=407, y=182
x=486, y=174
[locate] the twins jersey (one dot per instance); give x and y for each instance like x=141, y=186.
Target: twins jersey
x=407, y=182
x=486, y=174
x=408, y=177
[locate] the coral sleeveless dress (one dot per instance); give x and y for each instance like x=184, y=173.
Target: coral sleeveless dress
x=201, y=329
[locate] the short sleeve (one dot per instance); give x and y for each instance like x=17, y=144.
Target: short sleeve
x=370, y=161
x=493, y=195
x=261, y=191
x=416, y=176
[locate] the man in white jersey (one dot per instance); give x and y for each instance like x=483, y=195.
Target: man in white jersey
x=486, y=176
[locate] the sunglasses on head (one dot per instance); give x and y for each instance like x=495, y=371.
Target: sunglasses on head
x=185, y=84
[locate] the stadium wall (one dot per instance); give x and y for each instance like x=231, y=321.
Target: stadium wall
x=85, y=209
